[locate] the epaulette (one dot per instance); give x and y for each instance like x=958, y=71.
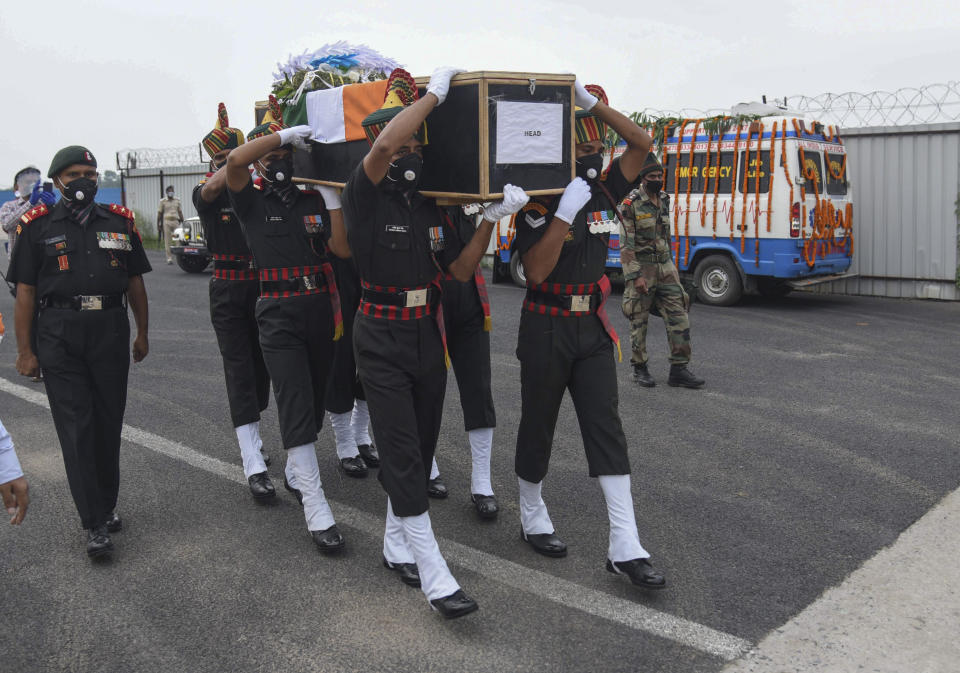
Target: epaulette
x=37, y=211
x=117, y=209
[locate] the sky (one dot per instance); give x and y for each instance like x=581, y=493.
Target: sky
x=112, y=75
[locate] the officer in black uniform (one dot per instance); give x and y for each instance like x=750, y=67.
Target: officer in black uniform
x=566, y=341
x=466, y=315
x=356, y=454
x=80, y=262
x=298, y=311
x=234, y=290
x=398, y=239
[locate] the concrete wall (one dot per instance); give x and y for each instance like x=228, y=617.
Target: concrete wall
x=906, y=187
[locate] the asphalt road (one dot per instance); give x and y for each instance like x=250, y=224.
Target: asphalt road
x=828, y=425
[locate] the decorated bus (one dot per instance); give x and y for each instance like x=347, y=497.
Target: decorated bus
x=758, y=204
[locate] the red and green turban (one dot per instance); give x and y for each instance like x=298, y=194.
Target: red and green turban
x=588, y=127
x=401, y=92
x=271, y=123
x=223, y=136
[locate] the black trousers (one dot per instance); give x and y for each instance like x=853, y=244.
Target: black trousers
x=296, y=335
x=85, y=357
x=575, y=354
x=343, y=386
x=469, y=347
x=403, y=374
x=233, y=306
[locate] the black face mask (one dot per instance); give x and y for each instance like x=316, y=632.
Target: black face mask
x=653, y=186
x=590, y=166
x=405, y=172
x=80, y=191
x=279, y=172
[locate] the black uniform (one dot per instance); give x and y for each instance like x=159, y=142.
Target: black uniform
x=573, y=351
x=400, y=251
x=234, y=289
x=83, y=344
x=343, y=385
x=295, y=311
x=468, y=341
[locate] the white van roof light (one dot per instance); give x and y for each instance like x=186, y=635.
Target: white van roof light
x=763, y=110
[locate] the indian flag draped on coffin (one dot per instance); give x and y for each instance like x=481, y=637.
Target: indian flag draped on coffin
x=332, y=89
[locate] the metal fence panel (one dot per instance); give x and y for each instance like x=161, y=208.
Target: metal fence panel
x=145, y=187
x=906, y=186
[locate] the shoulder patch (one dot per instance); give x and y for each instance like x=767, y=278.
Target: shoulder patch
x=534, y=214
x=117, y=209
x=35, y=212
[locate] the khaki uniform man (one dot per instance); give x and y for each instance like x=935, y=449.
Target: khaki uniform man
x=169, y=217
x=651, y=278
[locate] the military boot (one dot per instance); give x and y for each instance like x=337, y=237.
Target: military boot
x=681, y=376
x=641, y=376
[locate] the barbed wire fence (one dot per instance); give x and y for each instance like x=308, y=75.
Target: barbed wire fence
x=927, y=104
x=147, y=157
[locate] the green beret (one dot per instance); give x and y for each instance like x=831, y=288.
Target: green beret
x=75, y=154
x=651, y=165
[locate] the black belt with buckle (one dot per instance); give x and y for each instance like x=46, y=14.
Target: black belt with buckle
x=233, y=264
x=576, y=303
x=84, y=302
x=313, y=281
x=404, y=299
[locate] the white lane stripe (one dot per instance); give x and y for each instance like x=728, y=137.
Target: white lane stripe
x=544, y=585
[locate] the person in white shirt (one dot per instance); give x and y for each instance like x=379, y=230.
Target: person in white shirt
x=13, y=485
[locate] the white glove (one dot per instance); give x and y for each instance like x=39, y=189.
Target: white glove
x=440, y=81
x=295, y=135
x=331, y=196
x=583, y=98
x=574, y=197
x=514, y=198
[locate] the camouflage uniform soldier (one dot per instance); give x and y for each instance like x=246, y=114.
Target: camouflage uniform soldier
x=651, y=278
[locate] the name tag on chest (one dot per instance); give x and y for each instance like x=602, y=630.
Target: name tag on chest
x=111, y=240
x=397, y=229
x=602, y=222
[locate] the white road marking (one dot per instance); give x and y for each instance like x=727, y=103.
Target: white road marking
x=569, y=594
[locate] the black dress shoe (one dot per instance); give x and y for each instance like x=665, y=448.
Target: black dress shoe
x=639, y=571
x=354, y=467
x=408, y=572
x=547, y=544
x=369, y=454
x=329, y=540
x=113, y=523
x=437, y=489
x=296, y=491
x=641, y=376
x=455, y=605
x=98, y=541
x=261, y=488
x=486, y=505
x=680, y=376
x=265, y=456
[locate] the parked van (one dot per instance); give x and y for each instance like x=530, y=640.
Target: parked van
x=760, y=206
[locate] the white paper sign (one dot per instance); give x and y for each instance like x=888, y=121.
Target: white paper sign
x=529, y=133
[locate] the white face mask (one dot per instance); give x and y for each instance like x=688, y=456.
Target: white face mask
x=26, y=182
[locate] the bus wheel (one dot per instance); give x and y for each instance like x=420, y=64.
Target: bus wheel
x=718, y=281
x=516, y=270
x=771, y=288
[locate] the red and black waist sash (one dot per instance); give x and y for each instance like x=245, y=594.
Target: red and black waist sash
x=573, y=300
x=406, y=303
x=299, y=281
x=233, y=267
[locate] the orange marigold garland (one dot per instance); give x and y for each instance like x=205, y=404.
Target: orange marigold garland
x=676, y=184
x=743, y=190
x=690, y=168
x=733, y=178
x=706, y=184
